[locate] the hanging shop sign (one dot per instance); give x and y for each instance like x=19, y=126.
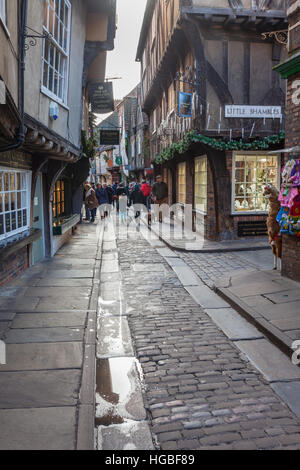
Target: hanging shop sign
x=102, y=97
x=252, y=112
x=109, y=137
x=185, y=104
x=118, y=161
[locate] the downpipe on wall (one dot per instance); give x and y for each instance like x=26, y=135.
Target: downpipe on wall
x=19, y=141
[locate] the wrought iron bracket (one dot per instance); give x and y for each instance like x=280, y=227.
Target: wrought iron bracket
x=32, y=38
x=281, y=37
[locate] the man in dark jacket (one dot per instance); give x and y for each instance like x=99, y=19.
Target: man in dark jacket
x=138, y=199
x=160, y=194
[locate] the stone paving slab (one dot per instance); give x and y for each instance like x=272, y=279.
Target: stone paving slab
x=46, y=304
x=206, y=298
x=186, y=276
x=39, y=356
x=49, y=320
x=234, y=326
x=43, y=335
x=126, y=437
x=19, y=304
x=12, y=292
x=284, y=297
x=38, y=429
x=269, y=360
x=39, y=389
x=59, y=292
x=275, y=313
x=290, y=393
x=111, y=291
x=110, y=266
x=167, y=253
x=114, y=339
x=148, y=267
x=255, y=288
x=4, y=326
x=110, y=277
x=69, y=274
x=7, y=316
x=74, y=282
x=287, y=324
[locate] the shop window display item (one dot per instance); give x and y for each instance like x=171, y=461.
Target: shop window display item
x=271, y=193
x=289, y=214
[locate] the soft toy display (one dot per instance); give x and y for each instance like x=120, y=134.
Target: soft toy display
x=289, y=214
x=271, y=193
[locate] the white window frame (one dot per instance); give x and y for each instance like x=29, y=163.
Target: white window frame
x=3, y=16
x=182, y=165
x=233, y=181
x=63, y=52
x=199, y=211
x=27, y=207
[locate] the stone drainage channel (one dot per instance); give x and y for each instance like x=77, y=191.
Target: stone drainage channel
x=121, y=419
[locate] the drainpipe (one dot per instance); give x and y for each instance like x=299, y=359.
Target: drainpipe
x=20, y=138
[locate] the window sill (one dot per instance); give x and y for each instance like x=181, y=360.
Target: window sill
x=47, y=93
x=66, y=225
x=236, y=214
x=15, y=246
x=5, y=28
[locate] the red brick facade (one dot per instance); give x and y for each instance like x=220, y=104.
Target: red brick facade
x=291, y=257
x=13, y=266
x=291, y=245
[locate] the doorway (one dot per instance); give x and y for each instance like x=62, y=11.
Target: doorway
x=38, y=249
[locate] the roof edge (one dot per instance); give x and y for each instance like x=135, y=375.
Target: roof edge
x=145, y=26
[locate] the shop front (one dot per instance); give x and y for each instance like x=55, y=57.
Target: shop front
x=16, y=234
x=225, y=190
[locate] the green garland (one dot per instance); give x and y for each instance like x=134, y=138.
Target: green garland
x=218, y=144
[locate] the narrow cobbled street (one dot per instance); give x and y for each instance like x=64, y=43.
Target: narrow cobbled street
x=200, y=390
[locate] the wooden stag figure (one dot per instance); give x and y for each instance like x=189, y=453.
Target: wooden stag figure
x=272, y=193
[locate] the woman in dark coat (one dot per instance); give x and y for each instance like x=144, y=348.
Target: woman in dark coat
x=103, y=199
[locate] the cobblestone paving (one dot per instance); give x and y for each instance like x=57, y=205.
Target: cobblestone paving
x=211, y=266
x=200, y=390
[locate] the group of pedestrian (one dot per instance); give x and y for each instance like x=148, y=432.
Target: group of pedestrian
x=122, y=196
x=95, y=196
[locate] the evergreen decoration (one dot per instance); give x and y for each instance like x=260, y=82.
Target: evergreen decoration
x=88, y=146
x=178, y=148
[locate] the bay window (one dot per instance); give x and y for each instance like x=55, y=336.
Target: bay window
x=251, y=173
x=58, y=206
x=14, y=202
x=57, y=14
x=200, y=189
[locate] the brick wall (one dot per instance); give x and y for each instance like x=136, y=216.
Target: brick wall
x=292, y=113
x=291, y=257
x=13, y=266
x=291, y=245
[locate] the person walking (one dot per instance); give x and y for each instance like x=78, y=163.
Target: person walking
x=110, y=198
x=121, y=191
x=87, y=210
x=91, y=201
x=160, y=194
x=103, y=200
x=138, y=200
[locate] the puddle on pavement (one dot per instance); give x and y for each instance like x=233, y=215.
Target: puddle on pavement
x=117, y=380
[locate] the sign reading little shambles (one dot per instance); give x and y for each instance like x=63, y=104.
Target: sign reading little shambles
x=236, y=111
x=102, y=98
